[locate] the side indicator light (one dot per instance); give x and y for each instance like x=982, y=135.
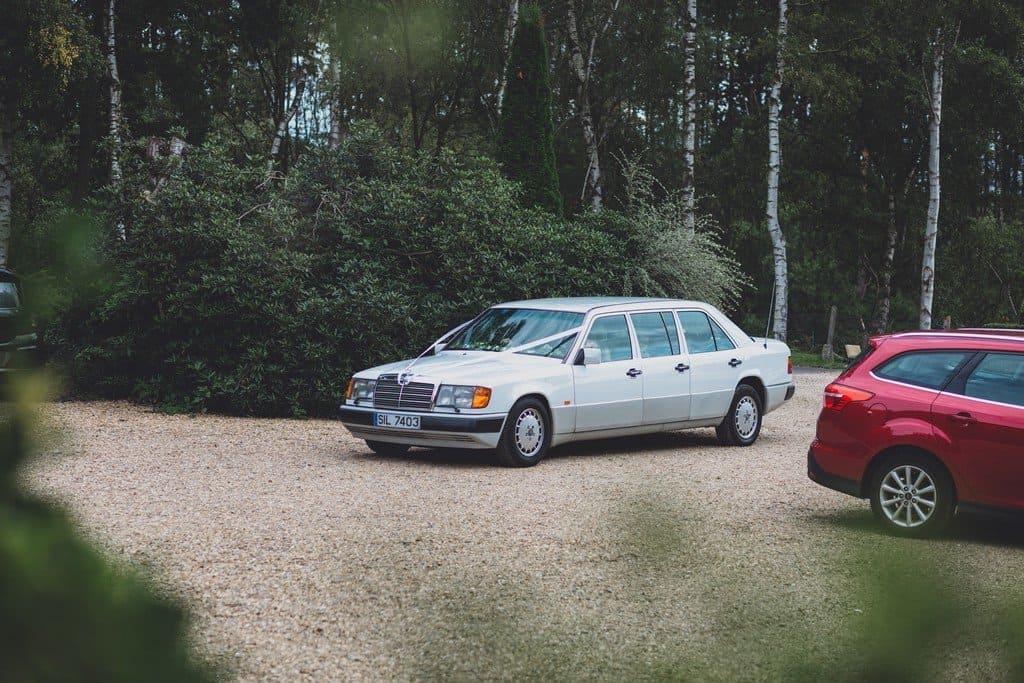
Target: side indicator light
x=481, y=397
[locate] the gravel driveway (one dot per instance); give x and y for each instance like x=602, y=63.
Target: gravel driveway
x=304, y=555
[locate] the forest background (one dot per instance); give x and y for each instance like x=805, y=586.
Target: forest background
x=276, y=193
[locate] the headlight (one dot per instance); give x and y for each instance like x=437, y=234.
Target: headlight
x=460, y=396
x=361, y=389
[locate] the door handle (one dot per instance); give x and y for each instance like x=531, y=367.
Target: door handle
x=633, y=372
x=735, y=362
x=682, y=367
x=965, y=419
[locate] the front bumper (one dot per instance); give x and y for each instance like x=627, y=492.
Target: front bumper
x=436, y=430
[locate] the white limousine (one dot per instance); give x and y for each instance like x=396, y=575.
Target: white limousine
x=527, y=375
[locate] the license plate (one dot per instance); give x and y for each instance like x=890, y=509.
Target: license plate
x=394, y=421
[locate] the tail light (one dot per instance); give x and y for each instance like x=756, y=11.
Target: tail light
x=838, y=396
x=789, y=365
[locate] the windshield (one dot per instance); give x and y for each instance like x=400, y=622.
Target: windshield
x=8, y=295
x=505, y=329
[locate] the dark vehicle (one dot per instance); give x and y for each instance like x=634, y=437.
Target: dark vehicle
x=925, y=424
x=18, y=340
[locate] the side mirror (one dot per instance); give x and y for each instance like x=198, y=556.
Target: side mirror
x=439, y=347
x=591, y=355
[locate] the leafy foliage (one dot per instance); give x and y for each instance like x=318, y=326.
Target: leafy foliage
x=241, y=296
x=65, y=613
x=526, y=146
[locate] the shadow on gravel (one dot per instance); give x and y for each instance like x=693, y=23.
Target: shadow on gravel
x=448, y=457
x=632, y=445
x=980, y=529
x=626, y=445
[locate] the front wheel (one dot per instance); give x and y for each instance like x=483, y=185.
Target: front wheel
x=742, y=424
x=912, y=495
x=527, y=434
x=385, y=448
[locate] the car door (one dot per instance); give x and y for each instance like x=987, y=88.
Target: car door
x=714, y=365
x=609, y=394
x=982, y=412
x=666, y=375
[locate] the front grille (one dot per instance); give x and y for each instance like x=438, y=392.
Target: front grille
x=413, y=396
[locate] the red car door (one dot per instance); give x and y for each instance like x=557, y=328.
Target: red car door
x=982, y=413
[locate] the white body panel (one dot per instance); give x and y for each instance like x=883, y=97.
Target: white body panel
x=687, y=385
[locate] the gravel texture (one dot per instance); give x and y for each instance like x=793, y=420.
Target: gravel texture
x=304, y=555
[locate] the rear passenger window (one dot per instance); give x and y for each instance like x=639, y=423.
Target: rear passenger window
x=930, y=369
x=655, y=337
x=611, y=336
x=999, y=377
x=722, y=340
x=697, y=332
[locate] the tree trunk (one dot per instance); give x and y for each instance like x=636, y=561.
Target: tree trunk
x=881, y=323
x=510, y=31
x=781, y=317
x=335, y=136
x=6, y=181
x=690, y=129
x=110, y=53
x=282, y=125
x=582, y=69
x=931, y=229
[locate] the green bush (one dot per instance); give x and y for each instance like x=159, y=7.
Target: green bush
x=241, y=296
x=65, y=613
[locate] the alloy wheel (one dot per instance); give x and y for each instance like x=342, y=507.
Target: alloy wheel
x=908, y=496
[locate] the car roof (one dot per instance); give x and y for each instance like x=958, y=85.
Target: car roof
x=965, y=338
x=585, y=304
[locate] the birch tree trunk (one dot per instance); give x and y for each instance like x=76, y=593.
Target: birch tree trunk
x=690, y=115
x=931, y=229
x=110, y=53
x=335, y=136
x=510, y=31
x=583, y=68
x=6, y=181
x=282, y=125
x=781, y=316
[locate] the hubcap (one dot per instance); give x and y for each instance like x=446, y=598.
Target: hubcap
x=529, y=432
x=908, y=496
x=745, y=417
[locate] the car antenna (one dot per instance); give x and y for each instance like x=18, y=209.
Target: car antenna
x=771, y=309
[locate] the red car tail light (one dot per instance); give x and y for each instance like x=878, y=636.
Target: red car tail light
x=789, y=365
x=838, y=396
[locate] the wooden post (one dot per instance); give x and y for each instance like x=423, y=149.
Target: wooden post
x=947, y=323
x=827, y=351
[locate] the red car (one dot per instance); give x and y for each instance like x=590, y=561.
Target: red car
x=924, y=424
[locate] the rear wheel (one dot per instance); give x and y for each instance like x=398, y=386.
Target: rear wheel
x=912, y=495
x=527, y=434
x=385, y=448
x=742, y=424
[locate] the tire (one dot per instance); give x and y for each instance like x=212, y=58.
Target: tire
x=385, y=448
x=920, y=479
x=527, y=434
x=742, y=424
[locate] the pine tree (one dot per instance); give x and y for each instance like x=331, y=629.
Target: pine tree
x=526, y=143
